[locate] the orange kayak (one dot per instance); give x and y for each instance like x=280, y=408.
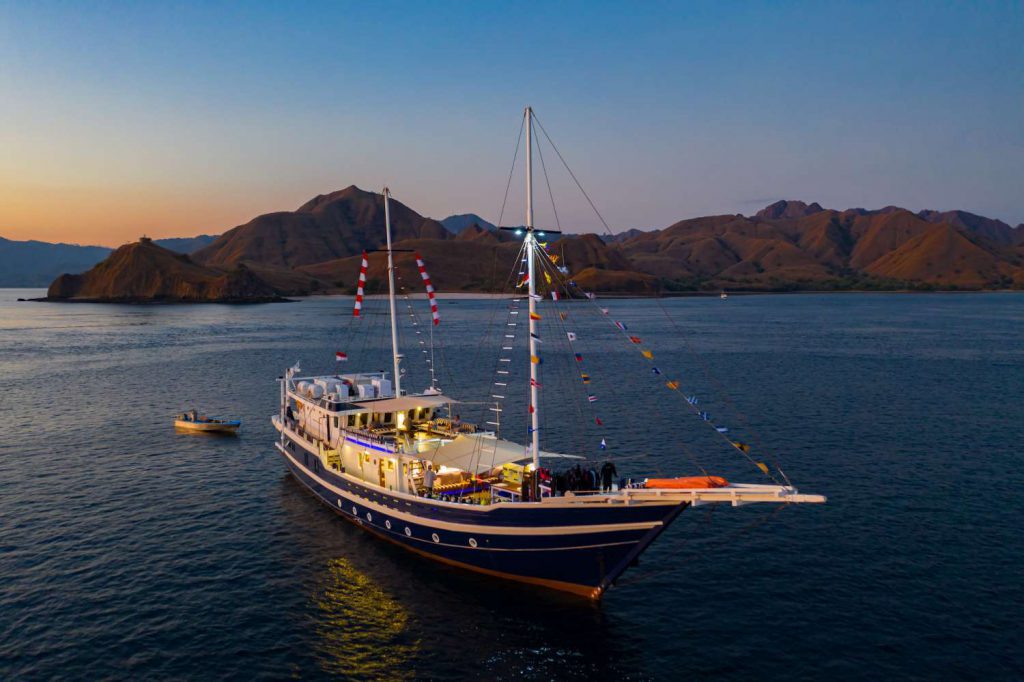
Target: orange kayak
x=687, y=482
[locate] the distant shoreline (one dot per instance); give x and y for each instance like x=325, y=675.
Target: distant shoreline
x=162, y=301
x=469, y=296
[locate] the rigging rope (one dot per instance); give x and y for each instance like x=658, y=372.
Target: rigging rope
x=673, y=384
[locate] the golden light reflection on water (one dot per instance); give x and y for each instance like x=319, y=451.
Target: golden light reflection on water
x=363, y=632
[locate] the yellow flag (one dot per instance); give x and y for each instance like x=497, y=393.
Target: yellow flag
x=563, y=315
x=554, y=258
x=674, y=385
x=647, y=354
x=547, y=277
x=763, y=467
x=534, y=359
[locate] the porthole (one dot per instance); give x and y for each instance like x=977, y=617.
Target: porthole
x=354, y=510
x=434, y=537
x=408, y=531
x=472, y=542
x=387, y=524
x=369, y=516
x=339, y=504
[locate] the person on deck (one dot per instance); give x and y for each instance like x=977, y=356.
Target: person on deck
x=428, y=480
x=608, y=474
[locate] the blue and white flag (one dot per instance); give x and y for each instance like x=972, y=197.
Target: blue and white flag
x=655, y=370
x=604, y=446
x=721, y=429
x=571, y=335
x=692, y=399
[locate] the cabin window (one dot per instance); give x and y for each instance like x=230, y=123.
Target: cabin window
x=335, y=422
x=387, y=417
x=391, y=465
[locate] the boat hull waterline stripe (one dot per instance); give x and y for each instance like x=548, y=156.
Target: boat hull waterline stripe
x=584, y=570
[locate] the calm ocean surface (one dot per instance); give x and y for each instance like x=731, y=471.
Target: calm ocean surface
x=128, y=551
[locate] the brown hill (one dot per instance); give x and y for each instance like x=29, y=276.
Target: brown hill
x=890, y=247
x=481, y=263
x=454, y=265
x=788, y=209
x=946, y=255
x=995, y=231
x=727, y=248
x=144, y=271
x=328, y=227
x=476, y=233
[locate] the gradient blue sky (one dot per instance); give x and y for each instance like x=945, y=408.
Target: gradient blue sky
x=179, y=118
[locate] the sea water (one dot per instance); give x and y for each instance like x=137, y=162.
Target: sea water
x=130, y=551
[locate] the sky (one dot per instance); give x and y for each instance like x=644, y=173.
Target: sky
x=179, y=118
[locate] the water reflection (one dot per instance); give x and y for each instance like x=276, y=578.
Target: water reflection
x=362, y=631
x=382, y=612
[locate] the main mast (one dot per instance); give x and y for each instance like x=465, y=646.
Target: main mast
x=391, y=293
x=531, y=280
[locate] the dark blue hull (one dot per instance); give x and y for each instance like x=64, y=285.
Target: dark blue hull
x=580, y=548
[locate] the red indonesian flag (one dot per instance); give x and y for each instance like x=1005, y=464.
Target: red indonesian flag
x=340, y=357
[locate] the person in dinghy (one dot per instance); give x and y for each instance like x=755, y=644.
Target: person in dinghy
x=195, y=422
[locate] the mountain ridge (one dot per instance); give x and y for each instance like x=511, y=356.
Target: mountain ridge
x=788, y=245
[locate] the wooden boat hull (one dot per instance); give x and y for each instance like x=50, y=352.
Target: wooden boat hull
x=208, y=427
x=581, y=549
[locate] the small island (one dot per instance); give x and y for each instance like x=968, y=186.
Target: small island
x=144, y=272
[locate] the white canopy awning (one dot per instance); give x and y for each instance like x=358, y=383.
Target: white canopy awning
x=482, y=452
x=406, y=402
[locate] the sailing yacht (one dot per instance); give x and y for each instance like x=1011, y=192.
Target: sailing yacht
x=401, y=465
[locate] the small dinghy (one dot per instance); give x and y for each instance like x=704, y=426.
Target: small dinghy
x=193, y=421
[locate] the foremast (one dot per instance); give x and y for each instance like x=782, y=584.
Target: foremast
x=395, y=357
